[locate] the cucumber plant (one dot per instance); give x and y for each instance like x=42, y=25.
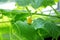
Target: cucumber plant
x=37, y=26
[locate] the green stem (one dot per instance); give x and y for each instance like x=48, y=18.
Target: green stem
x=56, y=38
x=17, y=28
x=33, y=14
x=10, y=33
x=48, y=15
x=53, y=38
x=29, y=11
x=17, y=36
x=1, y=38
x=40, y=34
x=55, y=10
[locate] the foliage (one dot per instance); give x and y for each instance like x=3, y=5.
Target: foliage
x=17, y=27
x=3, y=0
x=36, y=3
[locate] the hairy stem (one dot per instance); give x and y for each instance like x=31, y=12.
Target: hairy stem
x=55, y=10
x=40, y=35
x=29, y=11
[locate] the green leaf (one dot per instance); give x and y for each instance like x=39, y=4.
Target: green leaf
x=3, y=0
x=44, y=33
x=26, y=31
x=39, y=24
x=48, y=3
x=56, y=0
x=23, y=2
x=52, y=28
x=36, y=3
x=21, y=16
x=46, y=27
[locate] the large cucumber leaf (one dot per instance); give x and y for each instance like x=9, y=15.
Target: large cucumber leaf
x=48, y=3
x=38, y=29
x=39, y=24
x=27, y=31
x=52, y=28
x=47, y=27
x=39, y=3
x=36, y=3
x=23, y=2
x=3, y=0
